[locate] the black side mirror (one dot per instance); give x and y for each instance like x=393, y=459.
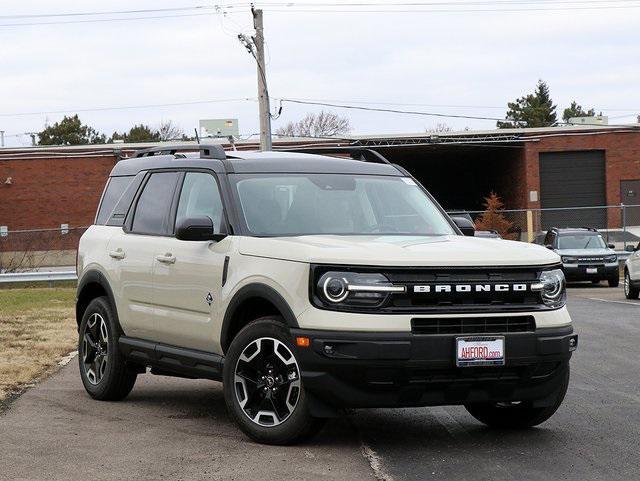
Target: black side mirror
x=197, y=229
x=465, y=225
x=611, y=246
x=631, y=248
x=549, y=246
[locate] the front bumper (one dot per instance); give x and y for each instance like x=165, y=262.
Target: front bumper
x=354, y=370
x=578, y=272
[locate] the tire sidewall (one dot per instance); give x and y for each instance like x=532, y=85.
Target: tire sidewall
x=289, y=430
x=102, y=307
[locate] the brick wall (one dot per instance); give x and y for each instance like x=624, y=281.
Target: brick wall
x=47, y=192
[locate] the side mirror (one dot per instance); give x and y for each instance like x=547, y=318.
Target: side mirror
x=197, y=229
x=549, y=246
x=467, y=227
x=611, y=246
x=630, y=248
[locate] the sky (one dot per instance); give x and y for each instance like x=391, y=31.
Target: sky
x=457, y=61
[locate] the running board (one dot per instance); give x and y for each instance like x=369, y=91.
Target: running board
x=178, y=361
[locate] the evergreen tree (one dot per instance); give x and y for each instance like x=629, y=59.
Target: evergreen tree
x=533, y=110
x=493, y=218
x=575, y=110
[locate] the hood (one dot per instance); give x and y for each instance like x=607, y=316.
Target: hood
x=585, y=252
x=450, y=250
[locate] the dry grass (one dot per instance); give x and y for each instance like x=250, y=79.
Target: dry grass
x=37, y=329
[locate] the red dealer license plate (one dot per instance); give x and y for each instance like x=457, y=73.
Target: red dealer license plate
x=480, y=351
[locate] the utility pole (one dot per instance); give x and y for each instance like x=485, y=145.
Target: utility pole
x=1, y=138
x=263, y=93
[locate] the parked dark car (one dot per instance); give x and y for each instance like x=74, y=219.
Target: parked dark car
x=585, y=255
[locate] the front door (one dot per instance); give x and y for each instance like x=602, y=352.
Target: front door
x=188, y=274
x=630, y=196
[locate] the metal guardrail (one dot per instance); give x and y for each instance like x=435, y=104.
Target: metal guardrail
x=38, y=276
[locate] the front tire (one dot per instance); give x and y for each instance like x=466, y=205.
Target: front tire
x=614, y=282
x=630, y=292
x=103, y=369
x=262, y=385
x=517, y=416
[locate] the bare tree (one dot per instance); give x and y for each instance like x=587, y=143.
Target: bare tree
x=169, y=131
x=323, y=124
x=439, y=127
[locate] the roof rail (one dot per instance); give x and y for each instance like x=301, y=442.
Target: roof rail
x=212, y=151
x=357, y=153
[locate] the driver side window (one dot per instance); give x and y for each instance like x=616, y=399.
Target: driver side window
x=200, y=197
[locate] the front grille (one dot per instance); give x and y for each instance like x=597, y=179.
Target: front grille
x=456, y=301
x=473, y=325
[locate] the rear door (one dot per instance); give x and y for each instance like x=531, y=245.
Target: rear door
x=188, y=274
x=133, y=249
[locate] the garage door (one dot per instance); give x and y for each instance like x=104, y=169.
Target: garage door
x=573, y=179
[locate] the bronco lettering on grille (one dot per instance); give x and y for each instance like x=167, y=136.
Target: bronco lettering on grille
x=471, y=288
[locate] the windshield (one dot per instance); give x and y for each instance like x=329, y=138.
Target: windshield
x=581, y=241
x=304, y=204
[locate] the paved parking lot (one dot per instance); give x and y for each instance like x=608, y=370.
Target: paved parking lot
x=176, y=429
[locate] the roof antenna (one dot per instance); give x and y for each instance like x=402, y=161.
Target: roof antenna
x=197, y=137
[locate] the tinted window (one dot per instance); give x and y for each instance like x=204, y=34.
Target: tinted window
x=580, y=241
x=116, y=186
x=337, y=204
x=152, y=210
x=200, y=198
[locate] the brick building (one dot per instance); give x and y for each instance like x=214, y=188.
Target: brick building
x=529, y=168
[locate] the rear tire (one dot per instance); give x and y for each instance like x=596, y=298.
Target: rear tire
x=630, y=292
x=103, y=369
x=516, y=416
x=614, y=282
x=262, y=385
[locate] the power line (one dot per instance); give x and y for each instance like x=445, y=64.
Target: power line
x=448, y=106
x=128, y=107
x=111, y=12
x=393, y=111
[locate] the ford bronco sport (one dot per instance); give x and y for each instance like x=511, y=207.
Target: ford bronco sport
x=308, y=284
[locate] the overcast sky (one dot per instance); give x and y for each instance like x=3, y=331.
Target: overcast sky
x=469, y=63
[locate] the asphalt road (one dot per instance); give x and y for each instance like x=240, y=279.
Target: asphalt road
x=178, y=430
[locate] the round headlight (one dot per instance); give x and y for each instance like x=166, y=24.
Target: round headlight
x=335, y=289
x=553, y=288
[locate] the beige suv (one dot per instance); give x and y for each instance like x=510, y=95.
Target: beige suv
x=308, y=284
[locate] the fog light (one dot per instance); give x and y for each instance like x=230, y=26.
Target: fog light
x=573, y=343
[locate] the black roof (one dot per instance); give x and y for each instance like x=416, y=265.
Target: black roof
x=245, y=162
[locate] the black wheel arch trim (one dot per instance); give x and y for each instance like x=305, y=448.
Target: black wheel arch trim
x=96, y=277
x=255, y=290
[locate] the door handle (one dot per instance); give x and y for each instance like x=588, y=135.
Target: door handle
x=167, y=258
x=117, y=254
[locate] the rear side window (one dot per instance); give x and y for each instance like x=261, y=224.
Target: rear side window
x=116, y=186
x=154, y=204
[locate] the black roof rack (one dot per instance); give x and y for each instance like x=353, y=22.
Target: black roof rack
x=206, y=151
x=357, y=153
x=591, y=229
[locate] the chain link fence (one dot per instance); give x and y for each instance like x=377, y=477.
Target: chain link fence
x=44, y=249
x=33, y=249
x=618, y=224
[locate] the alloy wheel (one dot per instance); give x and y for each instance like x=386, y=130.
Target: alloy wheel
x=95, y=348
x=267, y=381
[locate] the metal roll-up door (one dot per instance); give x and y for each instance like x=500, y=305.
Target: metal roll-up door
x=573, y=179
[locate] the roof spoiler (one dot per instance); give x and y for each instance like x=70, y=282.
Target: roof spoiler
x=212, y=151
x=357, y=153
